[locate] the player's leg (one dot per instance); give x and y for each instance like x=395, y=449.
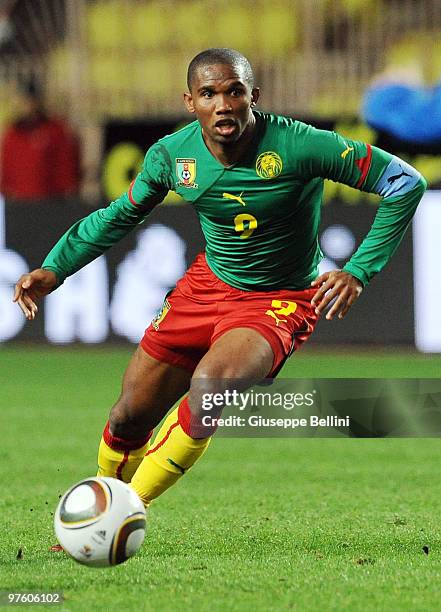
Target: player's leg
x=149, y=389
x=238, y=354
x=247, y=344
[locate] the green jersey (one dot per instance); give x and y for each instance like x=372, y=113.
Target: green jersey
x=261, y=216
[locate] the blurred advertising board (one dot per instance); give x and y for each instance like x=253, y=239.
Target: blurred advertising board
x=115, y=297
x=427, y=277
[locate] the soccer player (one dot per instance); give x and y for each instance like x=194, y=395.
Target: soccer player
x=253, y=297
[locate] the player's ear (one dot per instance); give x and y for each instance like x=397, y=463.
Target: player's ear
x=188, y=101
x=255, y=93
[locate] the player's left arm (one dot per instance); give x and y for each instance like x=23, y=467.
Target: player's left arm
x=370, y=169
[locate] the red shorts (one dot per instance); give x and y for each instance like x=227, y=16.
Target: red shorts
x=202, y=307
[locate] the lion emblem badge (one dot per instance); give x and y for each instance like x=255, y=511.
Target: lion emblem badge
x=269, y=165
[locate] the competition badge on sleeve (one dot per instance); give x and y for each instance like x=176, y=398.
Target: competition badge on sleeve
x=186, y=172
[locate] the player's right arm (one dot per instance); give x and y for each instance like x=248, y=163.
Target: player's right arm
x=88, y=238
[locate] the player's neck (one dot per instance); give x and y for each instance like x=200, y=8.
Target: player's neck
x=229, y=154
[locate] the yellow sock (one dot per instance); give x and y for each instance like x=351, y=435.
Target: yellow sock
x=120, y=458
x=173, y=453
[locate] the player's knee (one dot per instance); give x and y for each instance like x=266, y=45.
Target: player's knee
x=208, y=393
x=127, y=417
x=210, y=374
x=202, y=386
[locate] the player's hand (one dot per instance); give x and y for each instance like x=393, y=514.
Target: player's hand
x=339, y=286
x=32, y=286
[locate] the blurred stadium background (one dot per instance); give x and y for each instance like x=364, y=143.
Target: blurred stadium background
x=126, y=58
x=116, y=69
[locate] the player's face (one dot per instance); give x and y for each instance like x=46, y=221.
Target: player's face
x=222, y=101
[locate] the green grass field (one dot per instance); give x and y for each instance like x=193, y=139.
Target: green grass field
x=317, y=524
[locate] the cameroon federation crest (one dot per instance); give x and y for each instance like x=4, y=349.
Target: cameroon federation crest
x=186, y=172
x=269, y=165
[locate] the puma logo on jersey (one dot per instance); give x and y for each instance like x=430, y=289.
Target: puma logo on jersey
x=346, y=151
x=230, y=196
x=275, y=317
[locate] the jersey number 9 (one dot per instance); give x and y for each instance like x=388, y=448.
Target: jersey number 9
x=239, y=224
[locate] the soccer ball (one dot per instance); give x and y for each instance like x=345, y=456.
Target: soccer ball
x=100, y=522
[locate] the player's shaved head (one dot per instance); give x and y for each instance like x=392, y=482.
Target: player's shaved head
x=226, y=56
